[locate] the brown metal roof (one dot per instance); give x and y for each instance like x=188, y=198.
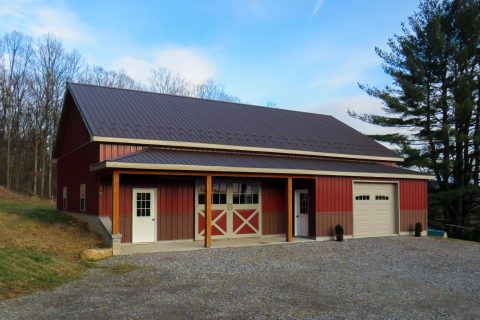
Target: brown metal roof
x=131, y=114
x=212, y=161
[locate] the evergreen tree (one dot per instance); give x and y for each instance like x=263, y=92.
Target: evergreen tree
x=434, y=99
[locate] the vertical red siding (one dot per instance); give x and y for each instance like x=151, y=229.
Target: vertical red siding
x=335, y=203
x=73, y=170
x=74, y=132
x=175, y=205
x=274, y=209
x=413, y=204
x=109, y=151
x=75, y=153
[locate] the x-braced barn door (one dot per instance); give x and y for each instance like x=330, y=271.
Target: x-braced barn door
x=236, y=209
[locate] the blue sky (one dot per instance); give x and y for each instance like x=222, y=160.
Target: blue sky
x=305, y=55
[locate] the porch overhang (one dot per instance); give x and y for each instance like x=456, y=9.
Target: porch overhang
x=207, y=161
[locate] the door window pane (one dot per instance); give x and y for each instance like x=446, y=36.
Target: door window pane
x=244, y=193
x=303, y=203
x=143, y=204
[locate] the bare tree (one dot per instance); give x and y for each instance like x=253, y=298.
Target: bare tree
x=163, y=80
x=101, y=77
x=212, y=90
x=53, y=67
x=15, y=58
x=33, y=76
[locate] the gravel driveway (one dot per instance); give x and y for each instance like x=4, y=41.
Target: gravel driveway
x=395, y=277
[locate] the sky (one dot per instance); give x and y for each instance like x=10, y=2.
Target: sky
x=306, y=55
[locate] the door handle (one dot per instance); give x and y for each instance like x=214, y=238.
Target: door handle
x=297, y=216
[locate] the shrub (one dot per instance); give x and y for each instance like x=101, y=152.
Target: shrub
x=418, y=227
x=339, y=230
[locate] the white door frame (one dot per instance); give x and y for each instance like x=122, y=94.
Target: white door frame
x=153, y=210
x=298, y=216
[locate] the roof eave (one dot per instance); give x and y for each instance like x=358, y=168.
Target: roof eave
x=177, y=167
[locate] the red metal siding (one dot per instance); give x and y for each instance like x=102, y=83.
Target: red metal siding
x=335, y=205
x=73, y=170
x=274, y=207
x=110, y=150
x=413, y=195
x=413, y=204
x=175, y=205
x=74, y=133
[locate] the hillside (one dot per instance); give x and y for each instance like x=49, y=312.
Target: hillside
x=39, y=248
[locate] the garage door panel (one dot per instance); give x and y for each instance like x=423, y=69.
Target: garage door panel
x=374, y=211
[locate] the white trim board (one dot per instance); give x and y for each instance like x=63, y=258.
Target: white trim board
x=239, y=148
x=177, y=167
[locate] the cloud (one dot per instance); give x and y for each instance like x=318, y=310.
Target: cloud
x=317, y=7
x=38, y=18
x=361, y=103
x=192, y=63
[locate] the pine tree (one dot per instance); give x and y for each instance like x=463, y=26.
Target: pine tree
x=434, y=99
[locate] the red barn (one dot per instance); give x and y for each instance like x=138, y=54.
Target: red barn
x=152, y=167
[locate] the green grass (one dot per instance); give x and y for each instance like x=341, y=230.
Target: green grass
x=39, y=211
x=39, y=247
x=25, y=270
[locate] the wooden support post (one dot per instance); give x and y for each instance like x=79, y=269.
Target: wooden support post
x=208, y=211
x=116, y=202
x=289, y=209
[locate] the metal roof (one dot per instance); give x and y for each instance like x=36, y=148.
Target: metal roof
x=132, y=114
x=215, y=161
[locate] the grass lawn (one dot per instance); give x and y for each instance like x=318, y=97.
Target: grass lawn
x=39, y=248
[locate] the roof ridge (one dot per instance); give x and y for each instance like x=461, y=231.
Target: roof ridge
x=196, y=98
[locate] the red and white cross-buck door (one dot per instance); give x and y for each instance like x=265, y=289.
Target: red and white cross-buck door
x=236, y=209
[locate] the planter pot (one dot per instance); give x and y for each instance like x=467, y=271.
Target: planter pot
x=418, y=234
x=339, y=237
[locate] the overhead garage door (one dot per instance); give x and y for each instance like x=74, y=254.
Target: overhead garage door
x=374, y=211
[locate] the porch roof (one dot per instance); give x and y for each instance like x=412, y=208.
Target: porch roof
x=208, y=161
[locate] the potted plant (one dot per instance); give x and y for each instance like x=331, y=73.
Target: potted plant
x=418, y=229
x=339, y=232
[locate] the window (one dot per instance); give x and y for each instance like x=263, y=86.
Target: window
x=381, y=197
x=64, y=198
x=363, y=197
x=219, y=193
x=143, y=204
x=303, y=203
x=244, y=193
x=82, y=197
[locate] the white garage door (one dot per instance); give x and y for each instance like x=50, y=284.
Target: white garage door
x=374, y=210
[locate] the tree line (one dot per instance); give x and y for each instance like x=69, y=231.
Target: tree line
x=33, y=76
x=434, y=102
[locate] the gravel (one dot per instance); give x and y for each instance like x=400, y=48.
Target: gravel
x=376, y=278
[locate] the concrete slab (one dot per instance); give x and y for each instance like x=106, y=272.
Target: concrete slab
x=190, y=245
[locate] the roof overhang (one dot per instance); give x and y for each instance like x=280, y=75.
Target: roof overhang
x=195, y=161
x=198, y=145
x=177, y=167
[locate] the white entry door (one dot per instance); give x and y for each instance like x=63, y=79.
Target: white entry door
x=301, y=213
x=144, y=216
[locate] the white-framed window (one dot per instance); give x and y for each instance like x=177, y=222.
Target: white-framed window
x=82, y=197
x=244, y=193
x=64, y=198
x=362, y=197
x=381, y=197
